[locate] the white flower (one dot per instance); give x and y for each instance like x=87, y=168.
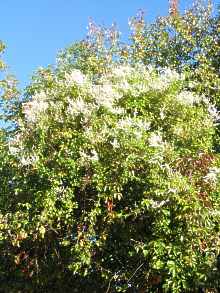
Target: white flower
x=142, y=124
x=122, y=71
x=163, y=81
x=125, y=75
x=76, y=107
x=125, y=123
x=159, y=204
x=212, y=175
x=16, y=145
x=172, y=190
x=37, y=106
x=33, y=109
x=162, y=114
x=105, y=95
x=214, y=113
x=79, y=106
x=75, y=77
x=188, y=98
x=124, y=86
x=170, y=75
x=13, y=150
x=192, y=84
x=94, y=156
x=85, y=158
x=134, y=126
x=115, y=143
x=155, y=140
x=41, y=96
x=129, y=122
x=28, y=160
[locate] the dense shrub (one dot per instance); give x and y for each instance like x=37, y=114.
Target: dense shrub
x=187, y=42
x=110, y=173
x=118, y=183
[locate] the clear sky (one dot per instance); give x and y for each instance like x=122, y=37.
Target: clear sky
x=35, y=30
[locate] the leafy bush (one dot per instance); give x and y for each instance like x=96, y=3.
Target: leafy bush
x=110, y=173
x=116, y=184
x=187, y=42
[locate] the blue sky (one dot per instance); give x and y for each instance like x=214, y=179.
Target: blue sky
x=34, y=31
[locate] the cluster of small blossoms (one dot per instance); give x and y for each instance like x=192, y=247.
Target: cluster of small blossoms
x=75, y=77
x=159, y=145
x=121, y=72
x=16, y=145
x=126, y=126
x=121, y=80
x=212, y=110
x=215, y=114
x=188, y=98
x=86, y=97
x=79, y=106
x=155, y=140
x=17, y=150
x=135, y=126
x=139, y=73
x=28, y=160
x=145, y=79
x=37, y=106
x=212, y=175
x=164, y=80
x=106, y=96
x=129, y=122
x=115, y=143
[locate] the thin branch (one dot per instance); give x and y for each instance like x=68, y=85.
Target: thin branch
x=138, y=268
x=109, y=284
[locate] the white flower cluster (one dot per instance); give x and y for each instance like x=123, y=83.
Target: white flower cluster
x=214, y=113
x=212, y=176
x=85, y=158
x=79, y=106
x=102, y=96
x=155, y=140
x=75, y=77
x=129, y=122
x=212, y=110
x=84, y=97
x=188, y=98
x=123, y=79
x=33, y=109
x=115, y=143
x=137, y=127
x=28, y=160
x=122, y=71
x=125, y=75
x=158, y=204
x=164, y=80
x=170, y=75
x=106, y=96
x=16, y=148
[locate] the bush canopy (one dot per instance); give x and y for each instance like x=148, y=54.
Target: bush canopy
x=110, y=170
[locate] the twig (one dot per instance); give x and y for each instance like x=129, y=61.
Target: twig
x=135, y=272
x=109, y=284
